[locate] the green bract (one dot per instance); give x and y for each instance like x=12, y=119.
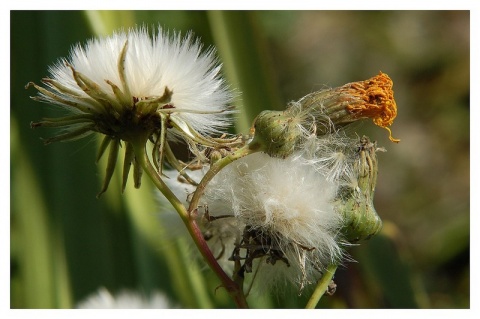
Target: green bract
x=361, y=219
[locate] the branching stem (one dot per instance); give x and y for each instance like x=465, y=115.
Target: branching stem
x=233, y=289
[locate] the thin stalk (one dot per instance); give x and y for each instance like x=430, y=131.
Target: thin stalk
x=233, y=289
x=321, y=287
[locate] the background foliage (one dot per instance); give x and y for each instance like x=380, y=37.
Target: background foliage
x=65, y=243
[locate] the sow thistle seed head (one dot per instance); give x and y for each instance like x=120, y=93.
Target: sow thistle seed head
x=280, y=133
x=134, y=88
x=286, y=213
x=274, y=219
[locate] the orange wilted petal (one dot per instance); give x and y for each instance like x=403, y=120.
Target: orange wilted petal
x=375, y=101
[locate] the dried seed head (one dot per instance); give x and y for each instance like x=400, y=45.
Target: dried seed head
x=288, y=212
x=134, y=88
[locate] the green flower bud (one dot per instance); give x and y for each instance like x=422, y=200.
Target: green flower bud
x=360, y=217
x=277, y=132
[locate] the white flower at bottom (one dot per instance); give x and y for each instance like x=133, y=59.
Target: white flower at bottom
x=103, y=299
x=288, y=209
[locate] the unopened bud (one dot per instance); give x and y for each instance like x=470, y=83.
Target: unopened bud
x=360, y=217
x=277, y=132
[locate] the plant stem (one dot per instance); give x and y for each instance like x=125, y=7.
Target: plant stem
x=233, y=289
x=321, y=287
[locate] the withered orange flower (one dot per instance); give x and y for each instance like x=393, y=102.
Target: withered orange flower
x=324, y=112
x=374, y=100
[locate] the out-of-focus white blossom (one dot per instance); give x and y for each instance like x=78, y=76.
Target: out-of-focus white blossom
x=103, y=299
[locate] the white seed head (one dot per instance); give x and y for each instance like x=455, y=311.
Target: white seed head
x=152, y=64
x=135, y=88
x=286, y=202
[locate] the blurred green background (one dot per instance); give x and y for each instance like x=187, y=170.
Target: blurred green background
x=65, y=243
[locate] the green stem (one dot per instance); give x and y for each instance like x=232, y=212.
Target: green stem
x=233, y=289
x=321, y=287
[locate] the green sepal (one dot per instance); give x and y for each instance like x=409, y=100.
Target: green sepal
x=112, y=161
x=129, y=158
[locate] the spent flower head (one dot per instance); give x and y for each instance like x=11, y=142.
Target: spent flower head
x=287, y=212
x=280, y=133
x=134, y=88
